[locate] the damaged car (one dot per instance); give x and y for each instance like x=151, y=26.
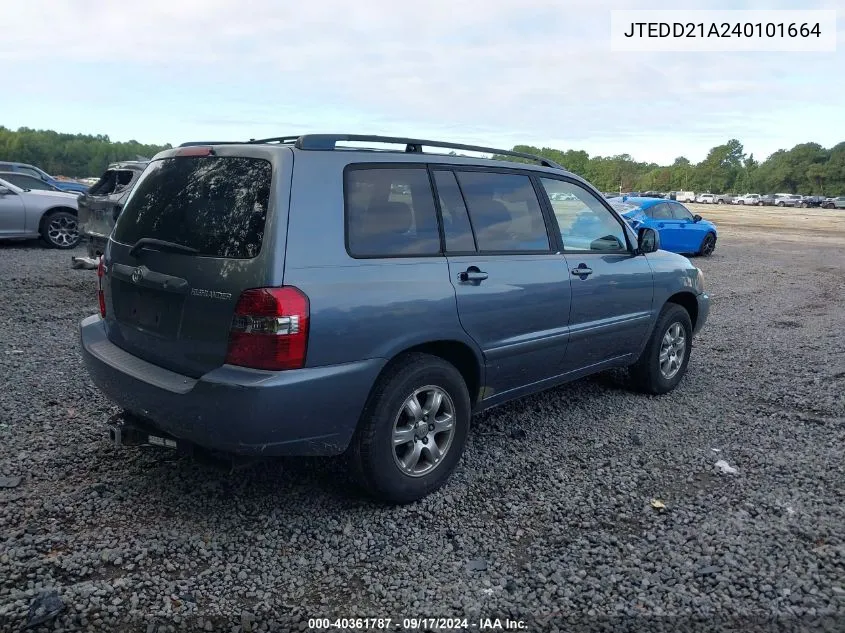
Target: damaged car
x=100, y=206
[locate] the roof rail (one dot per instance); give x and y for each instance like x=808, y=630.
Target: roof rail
x=414, y=146
x=275, y=139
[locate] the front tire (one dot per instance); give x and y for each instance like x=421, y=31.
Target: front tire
x=664, y=361
x=60, y=230
x=708, y=245
x=412, y=432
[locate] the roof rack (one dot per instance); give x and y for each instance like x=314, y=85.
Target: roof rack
x=275, y=139
x=412, y=146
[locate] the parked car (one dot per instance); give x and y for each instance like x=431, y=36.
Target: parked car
x=680, y=231
x=28, y=214
x=32, y=170
x=99, y=208
x=705, y=198
x=652, y=194
x=811, y=201
x=835, y=203
x=786, y=200
x=724, y=198
x=237, y=278
x=768, y=199
x=26, y=182
x=685, y=196
x=749, y=198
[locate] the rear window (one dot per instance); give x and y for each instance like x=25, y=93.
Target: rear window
x=217, y=205
x=113, y=181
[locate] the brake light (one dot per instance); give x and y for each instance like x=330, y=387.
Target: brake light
x=101, y=297
x=194, y=151
x=270, y=329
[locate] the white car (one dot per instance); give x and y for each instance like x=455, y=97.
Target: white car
x=706, y=198
x=749, y=198
x=26, y=213
x=685, y=196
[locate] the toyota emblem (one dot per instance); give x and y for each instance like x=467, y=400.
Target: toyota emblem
x=137, y=274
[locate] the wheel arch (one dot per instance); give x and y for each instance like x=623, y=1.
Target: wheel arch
x=689, y=302
x=52, y=210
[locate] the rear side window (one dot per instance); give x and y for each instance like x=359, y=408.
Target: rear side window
x=504, y=211
x=217, y=205
x=390, y=213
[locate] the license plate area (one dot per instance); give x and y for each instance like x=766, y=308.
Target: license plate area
x=147, y=309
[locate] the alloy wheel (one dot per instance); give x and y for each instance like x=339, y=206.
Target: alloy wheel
x=673, y=349
x=62, y=231
x=423, y=430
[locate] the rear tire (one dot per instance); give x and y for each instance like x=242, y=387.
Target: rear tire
x=664, y=361
x=60, y=230
x=398, y=471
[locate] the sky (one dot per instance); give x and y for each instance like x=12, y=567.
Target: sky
x=491, y=72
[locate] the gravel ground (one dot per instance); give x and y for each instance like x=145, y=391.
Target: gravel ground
x=549, y=515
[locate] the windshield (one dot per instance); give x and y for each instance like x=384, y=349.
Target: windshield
x=215, y=205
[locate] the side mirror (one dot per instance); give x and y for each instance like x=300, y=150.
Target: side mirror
x=648, y=241
x=697, y=218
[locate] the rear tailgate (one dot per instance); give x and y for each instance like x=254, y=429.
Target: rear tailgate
x=174, y=307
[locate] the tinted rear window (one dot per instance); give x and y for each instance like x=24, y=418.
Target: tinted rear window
x=217, y=205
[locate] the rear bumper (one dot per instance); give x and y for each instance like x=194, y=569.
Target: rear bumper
x=232, y=409
x=703, y=312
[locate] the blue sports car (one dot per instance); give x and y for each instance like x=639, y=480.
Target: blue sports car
x=680, y=231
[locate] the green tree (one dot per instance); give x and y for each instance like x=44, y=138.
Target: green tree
x=74, y=155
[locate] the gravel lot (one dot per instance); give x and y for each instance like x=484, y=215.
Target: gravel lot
x=548, y=516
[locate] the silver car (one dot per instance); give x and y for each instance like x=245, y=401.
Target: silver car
x=26, y=213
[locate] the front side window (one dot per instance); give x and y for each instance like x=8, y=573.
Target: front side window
x=505, y=212
x=585, y=223
x=390, y=213
x=680, y=212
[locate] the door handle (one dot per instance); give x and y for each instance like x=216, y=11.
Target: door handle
x=472, y=275
x=582, y=271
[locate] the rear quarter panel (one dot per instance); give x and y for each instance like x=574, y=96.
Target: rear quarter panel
x=360, y=308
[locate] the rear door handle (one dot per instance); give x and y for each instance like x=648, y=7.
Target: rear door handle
x=472, y=276
x=582, y=271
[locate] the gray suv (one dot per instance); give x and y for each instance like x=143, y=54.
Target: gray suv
x=296, y=296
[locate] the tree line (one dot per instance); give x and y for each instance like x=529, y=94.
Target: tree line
x=808, y=168
x=73, y=155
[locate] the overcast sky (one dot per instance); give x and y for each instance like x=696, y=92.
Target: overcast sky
x=494, y=72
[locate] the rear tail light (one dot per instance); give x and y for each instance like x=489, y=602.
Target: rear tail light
x=101, y=297
x=269, y=329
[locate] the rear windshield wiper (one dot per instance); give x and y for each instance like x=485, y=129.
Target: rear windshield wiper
x=162, y=245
